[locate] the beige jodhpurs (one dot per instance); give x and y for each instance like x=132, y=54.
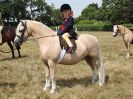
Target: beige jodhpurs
x=66, y=38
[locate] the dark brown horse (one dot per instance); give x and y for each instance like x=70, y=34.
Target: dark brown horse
x=8, y=35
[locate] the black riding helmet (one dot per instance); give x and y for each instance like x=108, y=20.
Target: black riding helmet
x=65, y=7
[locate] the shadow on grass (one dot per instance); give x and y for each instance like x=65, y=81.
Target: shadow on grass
x=9, y=58
x=86, y=81
x=74, y=81
x=7, y=84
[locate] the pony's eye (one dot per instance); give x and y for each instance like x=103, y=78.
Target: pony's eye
x=21, y=29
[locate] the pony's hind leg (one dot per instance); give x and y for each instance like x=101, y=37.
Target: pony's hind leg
x=96, y=66
x=11, y=47
x=101, y=75
x=89, y=61
x=100, y=68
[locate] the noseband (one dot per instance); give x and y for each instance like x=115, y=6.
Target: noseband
x=24, y=24
x=118, y=31
x=22, y=31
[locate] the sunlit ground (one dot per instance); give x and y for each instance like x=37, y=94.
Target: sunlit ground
x=24, y=78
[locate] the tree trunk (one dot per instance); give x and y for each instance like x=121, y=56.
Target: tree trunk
x=1, y=22
x=130, y=10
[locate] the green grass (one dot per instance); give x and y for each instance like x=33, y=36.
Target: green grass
x=24, y=78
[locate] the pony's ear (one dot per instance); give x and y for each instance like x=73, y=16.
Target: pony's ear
x=22, y=22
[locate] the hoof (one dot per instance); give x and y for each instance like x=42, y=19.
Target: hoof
x=13, y=56
x=100, y=84
x=45, y=88
x=93, y=81
x=52, y=91
x=128, y=56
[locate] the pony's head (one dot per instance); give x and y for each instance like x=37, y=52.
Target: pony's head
x=115, y=30
x=21, y=33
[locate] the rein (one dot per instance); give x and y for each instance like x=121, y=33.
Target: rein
x=42, y=37
x=27, y=40
x=25, y=29
x=8, y=51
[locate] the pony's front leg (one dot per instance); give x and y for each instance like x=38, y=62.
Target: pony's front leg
x=47, y=75
x=52, y=75
x=47, y=84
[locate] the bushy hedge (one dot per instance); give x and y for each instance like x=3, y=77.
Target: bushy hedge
x=94, y=27
x=90, y=27
x=87, y=21
x=128, y=25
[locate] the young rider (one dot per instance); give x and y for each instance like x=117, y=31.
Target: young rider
x=67, y=29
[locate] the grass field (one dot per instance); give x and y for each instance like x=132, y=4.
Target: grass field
x=24, y=78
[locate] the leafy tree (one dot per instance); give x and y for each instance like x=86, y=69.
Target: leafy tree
x=40, y=11
x=1, y=22
x=14, y=10
x=116, y=10
x=18, y=12
x=55, y=16
x=130, y=10
x=89, y=12
x=4, y=8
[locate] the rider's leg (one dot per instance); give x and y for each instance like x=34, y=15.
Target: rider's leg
x=66, y=38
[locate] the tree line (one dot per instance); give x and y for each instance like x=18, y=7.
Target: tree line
x=113, y=11
x=14, y=10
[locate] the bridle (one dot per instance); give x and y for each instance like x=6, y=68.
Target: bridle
x=122, y=34
x=24, y=24
x=118, y=31
x=23, y=31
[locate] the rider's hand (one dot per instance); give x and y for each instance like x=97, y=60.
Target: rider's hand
x=59, y=32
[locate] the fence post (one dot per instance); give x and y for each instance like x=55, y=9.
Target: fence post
x=76, y=29
x=56, y=28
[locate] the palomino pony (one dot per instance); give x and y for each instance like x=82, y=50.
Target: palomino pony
x=126, y=34
x=8, y=35
x=87, y=49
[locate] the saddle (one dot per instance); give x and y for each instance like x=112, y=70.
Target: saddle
x=131, y=29
x=63, y=43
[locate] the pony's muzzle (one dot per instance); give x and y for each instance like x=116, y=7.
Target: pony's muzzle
x=17, y=42
x=114, y=34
